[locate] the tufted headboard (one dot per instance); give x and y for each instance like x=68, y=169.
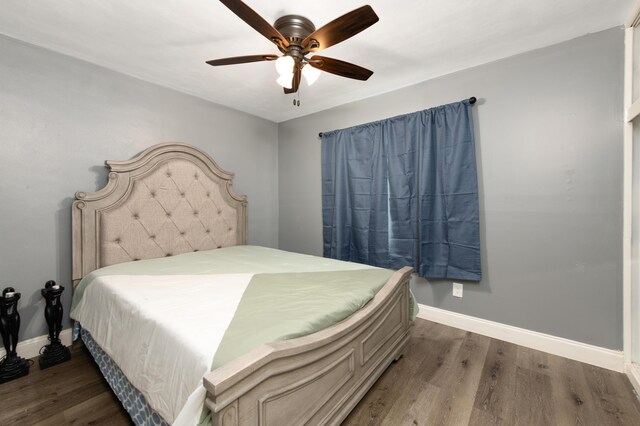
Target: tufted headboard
x=170, y=199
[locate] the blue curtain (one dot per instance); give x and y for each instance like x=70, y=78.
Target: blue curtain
x=403, y=191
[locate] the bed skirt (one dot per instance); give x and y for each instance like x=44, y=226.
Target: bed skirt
x=132, y=400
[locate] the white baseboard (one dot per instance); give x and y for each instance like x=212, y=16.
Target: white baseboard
x=633, y=372
x=583, y=352
x=30, y=348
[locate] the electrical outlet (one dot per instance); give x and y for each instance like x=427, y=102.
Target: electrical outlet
x=457, y=290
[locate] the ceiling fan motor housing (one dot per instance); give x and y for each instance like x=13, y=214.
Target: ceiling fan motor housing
x=295, y=29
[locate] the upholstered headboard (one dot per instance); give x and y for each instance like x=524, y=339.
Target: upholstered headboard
x=170, y=199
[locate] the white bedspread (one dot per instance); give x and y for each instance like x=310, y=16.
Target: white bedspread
x=137, y=306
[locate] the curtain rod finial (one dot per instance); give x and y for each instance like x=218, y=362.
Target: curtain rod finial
x=472, y=100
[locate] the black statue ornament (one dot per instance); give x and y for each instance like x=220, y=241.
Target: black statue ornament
x=55, y=352
x=11, y=366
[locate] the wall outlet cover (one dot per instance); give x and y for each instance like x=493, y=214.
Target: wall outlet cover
x=457, y=290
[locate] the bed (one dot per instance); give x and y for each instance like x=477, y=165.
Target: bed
x=172, y=207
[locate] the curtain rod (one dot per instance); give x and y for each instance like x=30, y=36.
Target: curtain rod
x=472, y=100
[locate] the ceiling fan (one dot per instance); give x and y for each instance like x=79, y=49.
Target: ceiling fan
x=296, y=37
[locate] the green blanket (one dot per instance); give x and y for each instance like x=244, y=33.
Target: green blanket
x=290, y=305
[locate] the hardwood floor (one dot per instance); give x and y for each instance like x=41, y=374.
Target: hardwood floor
x=452, y=377
x=72, y=393
x=447, y=377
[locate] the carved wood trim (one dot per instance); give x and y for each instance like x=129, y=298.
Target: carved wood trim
x=366, y=353
x=229, y=415
x=347, y=360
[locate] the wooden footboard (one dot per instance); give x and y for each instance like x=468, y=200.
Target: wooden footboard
x=316, y=379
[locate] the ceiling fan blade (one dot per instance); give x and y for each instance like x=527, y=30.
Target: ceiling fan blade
x=242, y=60
x=340, y=29
x=297, y=75
x=341, y=68
x=256, y=21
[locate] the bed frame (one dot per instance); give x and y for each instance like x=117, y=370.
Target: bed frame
x=173, y=198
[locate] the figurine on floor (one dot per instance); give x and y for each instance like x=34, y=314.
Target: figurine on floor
x=53, y=310
x=55, y=352
x=12, y=366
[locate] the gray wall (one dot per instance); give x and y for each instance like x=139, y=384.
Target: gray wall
x=60, y=118
x=549, y=144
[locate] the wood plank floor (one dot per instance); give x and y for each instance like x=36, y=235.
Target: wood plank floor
x=452, y=377
x=447, y=377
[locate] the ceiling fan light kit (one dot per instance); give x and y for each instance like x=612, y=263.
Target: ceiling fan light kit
x=310, y=74
x=285, y=65
x=285, y=80
x=296, y=37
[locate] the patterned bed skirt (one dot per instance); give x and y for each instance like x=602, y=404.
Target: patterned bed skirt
x=130, y=397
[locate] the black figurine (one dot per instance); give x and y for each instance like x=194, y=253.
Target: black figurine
x=12, y=366
x=55, y=352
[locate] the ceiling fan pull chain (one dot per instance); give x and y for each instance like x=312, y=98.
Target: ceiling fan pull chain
x=296, y=102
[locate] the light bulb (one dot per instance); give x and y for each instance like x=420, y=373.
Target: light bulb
x=310, y=74
x=285, y=80
x=284, y=65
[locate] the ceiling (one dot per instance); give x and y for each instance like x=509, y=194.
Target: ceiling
x=167, y=42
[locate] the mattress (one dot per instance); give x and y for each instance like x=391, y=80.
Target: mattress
x=167, y=322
